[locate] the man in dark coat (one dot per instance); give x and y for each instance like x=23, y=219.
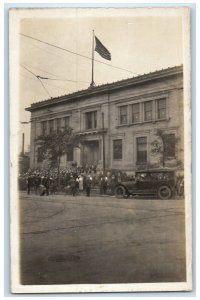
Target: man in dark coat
x=72, y=183
x=88, y=184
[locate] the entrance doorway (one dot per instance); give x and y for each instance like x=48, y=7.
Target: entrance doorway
x=91, y=153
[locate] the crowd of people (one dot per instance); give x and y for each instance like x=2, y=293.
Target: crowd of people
x=70, y=180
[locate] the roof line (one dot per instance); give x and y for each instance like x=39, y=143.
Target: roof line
x=108, y=86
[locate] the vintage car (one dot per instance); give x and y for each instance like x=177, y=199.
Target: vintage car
x=160, y=182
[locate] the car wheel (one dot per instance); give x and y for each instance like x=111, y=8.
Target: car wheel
x=120, y=192
x=164, y=192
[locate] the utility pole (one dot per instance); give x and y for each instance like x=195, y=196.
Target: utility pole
x=23, y=144
x=103, y=141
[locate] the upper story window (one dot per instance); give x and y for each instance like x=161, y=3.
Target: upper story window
x=143, y=111
x=148, y=111
x=123, y=114
x=161, y=105
x=51, y=126
x=66, y=122
x=91, y=120
x=58, y=123
x=135, y=113
x=43, y=127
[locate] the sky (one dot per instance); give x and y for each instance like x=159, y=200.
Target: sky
x=139, y=42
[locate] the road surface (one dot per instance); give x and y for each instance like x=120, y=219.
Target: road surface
x=66, y=240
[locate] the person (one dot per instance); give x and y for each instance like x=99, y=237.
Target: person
x=29, y=183
x=103, y=185
x=80, y=182
x=88, y=184
x=112, y=183
x=45, y=183
x=72, y=183
x=37, y=182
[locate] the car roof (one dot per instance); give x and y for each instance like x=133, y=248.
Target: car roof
x=155, y=170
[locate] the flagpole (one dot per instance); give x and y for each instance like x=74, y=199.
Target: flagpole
x=92, y=82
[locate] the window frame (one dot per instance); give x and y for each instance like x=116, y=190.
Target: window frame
x=120, y=115
x=114, y=149
x=166, y=156
x=147, y=111
x=71, y=148
x=132, y=113
x=94, y=119
x=140, y=162
x=43, y=128
x=158, y=110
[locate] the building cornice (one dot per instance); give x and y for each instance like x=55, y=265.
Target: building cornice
x=109, y=87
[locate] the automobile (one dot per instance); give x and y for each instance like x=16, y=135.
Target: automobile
x=160, y=182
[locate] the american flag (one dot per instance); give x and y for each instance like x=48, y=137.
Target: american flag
x=101, y=49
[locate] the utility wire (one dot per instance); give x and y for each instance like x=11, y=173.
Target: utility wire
x=38, y=79
x=52, y=85
x=72, y=52
x=44, y=86
x=61, y=78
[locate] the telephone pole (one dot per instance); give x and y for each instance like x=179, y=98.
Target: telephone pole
x=103, y=142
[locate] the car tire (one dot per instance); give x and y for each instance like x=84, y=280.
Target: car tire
x=120, y=192
x=164, y=192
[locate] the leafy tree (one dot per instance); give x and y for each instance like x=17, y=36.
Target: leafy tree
x=163, y=146
x=55, y=145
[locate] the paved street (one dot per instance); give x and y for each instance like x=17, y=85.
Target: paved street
x=67, y=240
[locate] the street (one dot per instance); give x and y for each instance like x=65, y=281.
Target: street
x=66, y=240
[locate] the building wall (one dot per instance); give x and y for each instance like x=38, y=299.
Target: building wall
x=109, y=103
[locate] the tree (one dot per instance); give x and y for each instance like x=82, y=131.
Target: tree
x=55, y=145
x=165, y=147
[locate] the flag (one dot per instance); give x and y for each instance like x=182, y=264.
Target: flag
x=101, y=49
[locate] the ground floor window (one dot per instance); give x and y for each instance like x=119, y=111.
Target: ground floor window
x=40, y=155
x=169, y=145
x=141, y=149
x=117, y=149
x=70, y=153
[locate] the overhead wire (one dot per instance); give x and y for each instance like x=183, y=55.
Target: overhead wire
x=38, y=79
x=51, y=85
x=72, y=52
x=61, y=78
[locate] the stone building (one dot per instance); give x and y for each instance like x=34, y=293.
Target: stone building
x=127, y=114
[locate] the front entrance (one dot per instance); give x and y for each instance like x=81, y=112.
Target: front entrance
x=91, y=153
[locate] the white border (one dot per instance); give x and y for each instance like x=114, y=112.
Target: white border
x=149, y=2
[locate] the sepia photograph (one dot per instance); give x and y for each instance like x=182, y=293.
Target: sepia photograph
x=100, y=135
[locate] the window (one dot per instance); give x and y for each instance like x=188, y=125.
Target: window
x=70, y=153
x=141, y=149
x=148, y=111
x=123, y=114
x=135, y=113
x=40, y=155
x=58, y=121
x=44, y=128
x=117, y=149
x=51, y=126
x=169, y=145
x=91, y=120
x=66, y=122
x=161, y=108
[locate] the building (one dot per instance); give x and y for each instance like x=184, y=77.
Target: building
x=127, y=114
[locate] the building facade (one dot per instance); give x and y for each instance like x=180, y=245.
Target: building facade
x=123, y=118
